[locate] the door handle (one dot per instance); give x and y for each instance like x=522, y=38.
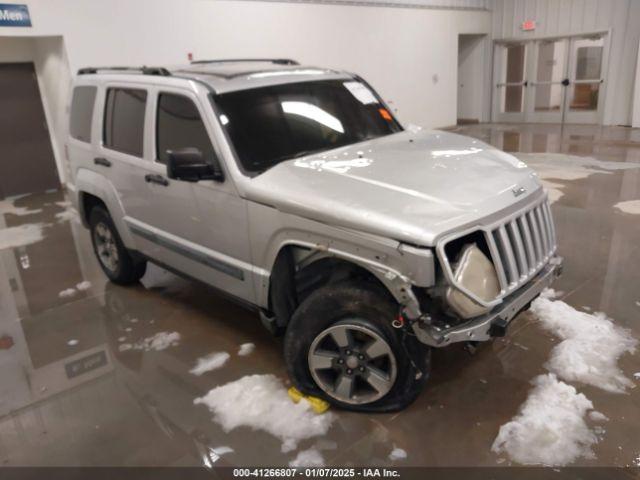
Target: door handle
x=155, y=178
x=565, y=82
x=102, y=161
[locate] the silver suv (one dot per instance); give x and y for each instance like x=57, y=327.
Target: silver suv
x=296, y=190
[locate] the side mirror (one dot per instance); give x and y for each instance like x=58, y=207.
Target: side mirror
x=188, y=165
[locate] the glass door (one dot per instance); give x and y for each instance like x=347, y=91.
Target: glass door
x=511, y=87
x=546, y=99
x=584, y=97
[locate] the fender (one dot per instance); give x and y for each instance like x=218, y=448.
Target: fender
x=88, y=181
x=396, y=265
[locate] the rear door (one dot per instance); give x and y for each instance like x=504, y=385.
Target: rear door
x=123, y=155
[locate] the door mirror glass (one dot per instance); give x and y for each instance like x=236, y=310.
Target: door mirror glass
x=188, y=164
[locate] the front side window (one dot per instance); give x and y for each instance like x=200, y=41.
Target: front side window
x=124, y=120
x=82, y=113
x=269, y=125
x=179, y=126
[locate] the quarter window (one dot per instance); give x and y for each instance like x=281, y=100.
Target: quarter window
x=124, y=120
x=179, y=126
x=82, y=113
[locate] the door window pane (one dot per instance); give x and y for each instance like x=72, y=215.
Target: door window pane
x=180, y=126
x=82, y=113
x=551, y=61
x=585, y=96
x=515, y=63
x=548, y=97
x=124, y=120
x=588, y=58
x=512, y=99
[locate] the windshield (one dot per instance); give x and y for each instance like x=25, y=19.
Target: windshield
x=271, y=124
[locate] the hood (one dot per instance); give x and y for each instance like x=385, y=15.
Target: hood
x=410, y=186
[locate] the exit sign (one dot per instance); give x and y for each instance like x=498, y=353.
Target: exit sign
x=528, y=25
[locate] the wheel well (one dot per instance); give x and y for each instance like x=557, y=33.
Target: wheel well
x=88, y=202
x=290, y=285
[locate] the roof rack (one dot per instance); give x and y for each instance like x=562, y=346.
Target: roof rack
x=279, y=61
x=160, y=71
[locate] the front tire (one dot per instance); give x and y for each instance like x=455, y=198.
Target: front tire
x=340, y=346
x=114, y=258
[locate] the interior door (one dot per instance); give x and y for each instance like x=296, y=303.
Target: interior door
x=27, y=163
x=583, y=102
x=511, y=70
x=546, y=100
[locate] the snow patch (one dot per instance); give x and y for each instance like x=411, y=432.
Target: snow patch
x=598, y=416
x=550, y=428
x=590, y=347
x=210, y=362
x=67, y=215
x=82, y=286
x=308, y=458
x=73, y=342
x=69, y=292
x=20, y=236
x=632, y=207
x=7, y=207
x=159, y=341
x=246, y=349
x=397, y=454
x=261, y=402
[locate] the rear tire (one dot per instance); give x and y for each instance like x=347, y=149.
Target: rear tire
x=340, y=346
x=115, y=260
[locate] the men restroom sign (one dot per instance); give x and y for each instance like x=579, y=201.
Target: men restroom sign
x=13, y=15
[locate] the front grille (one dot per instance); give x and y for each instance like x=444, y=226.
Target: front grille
x=521, y=246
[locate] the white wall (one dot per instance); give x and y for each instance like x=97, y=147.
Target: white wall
x=569, y=17
x=635, y=122
x=409, y=55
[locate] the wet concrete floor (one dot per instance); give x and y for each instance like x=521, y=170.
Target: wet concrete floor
x=70, y=395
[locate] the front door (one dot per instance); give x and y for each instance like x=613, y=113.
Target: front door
x=546, y=99
x=584, y=92
x=510, y=91
x=27, y=163
x=203, y=224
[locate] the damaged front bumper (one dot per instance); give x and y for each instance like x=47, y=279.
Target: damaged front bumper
x=494, y=323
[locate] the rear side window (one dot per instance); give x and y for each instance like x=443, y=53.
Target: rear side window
x=179, y=125
x=124, y=120
x=82, y=113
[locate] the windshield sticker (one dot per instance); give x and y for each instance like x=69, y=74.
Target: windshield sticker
x=361, y=92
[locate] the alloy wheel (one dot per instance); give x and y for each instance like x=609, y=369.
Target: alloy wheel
x=352, y=363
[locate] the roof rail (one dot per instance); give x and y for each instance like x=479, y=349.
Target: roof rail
x=279, y=61
x=160, y=71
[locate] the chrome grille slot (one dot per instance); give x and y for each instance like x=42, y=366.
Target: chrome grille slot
x=516, y=240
